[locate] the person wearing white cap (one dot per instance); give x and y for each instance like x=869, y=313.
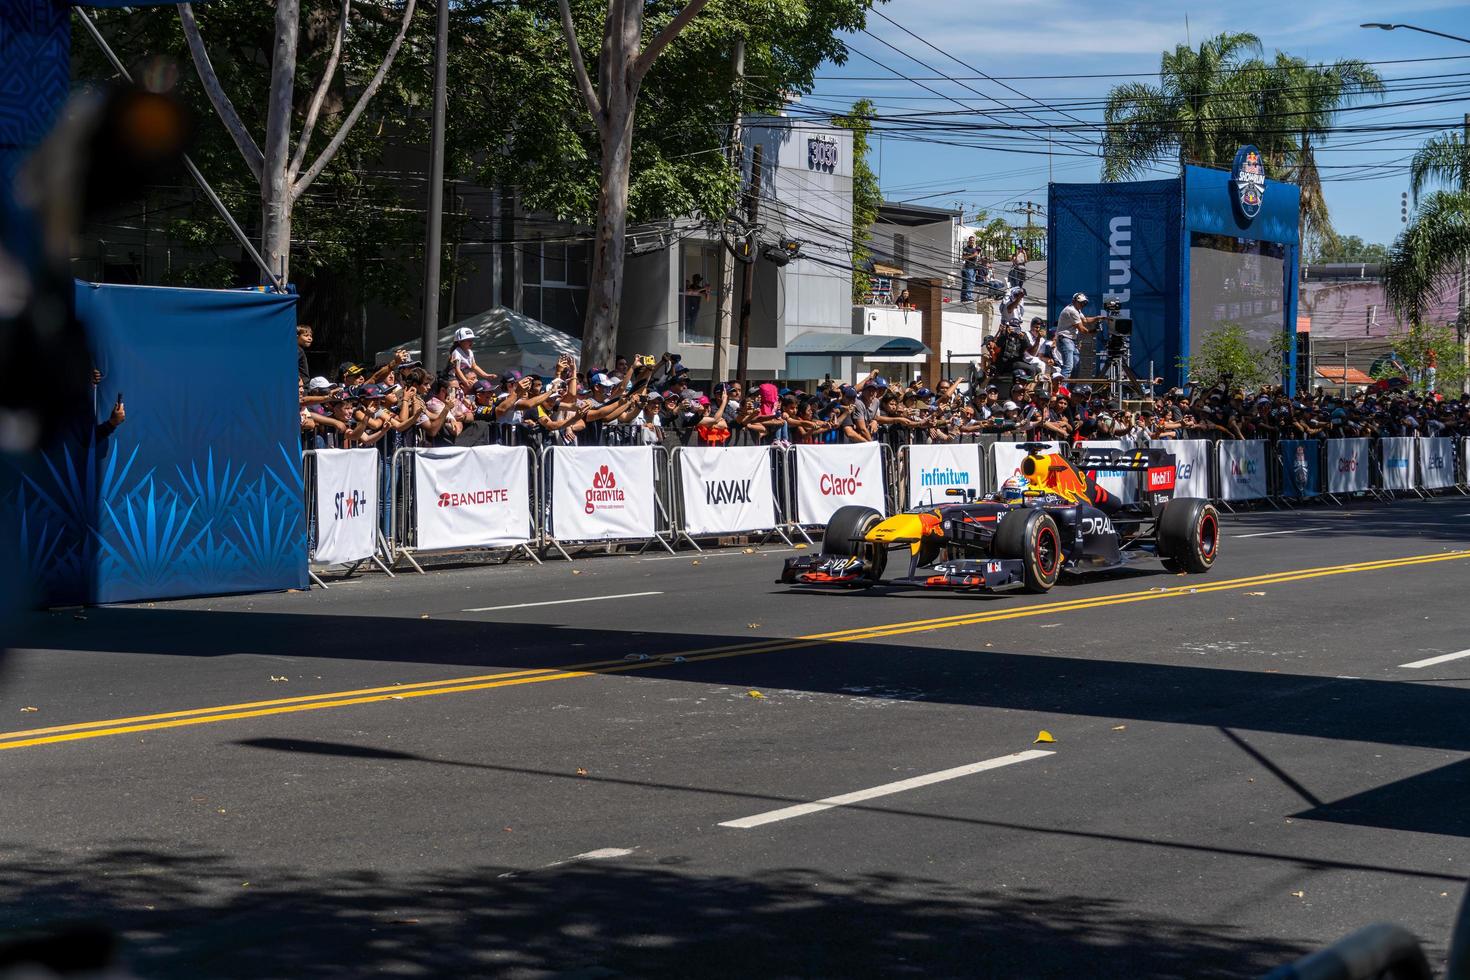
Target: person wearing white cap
x=1069, y=322
x=462, y=359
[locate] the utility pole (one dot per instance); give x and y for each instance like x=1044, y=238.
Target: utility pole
x=725, y=310
x=433, y=244
x=1462, y=319
x=747, y=285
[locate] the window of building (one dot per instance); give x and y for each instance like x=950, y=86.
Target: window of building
x=554, y=277
x=699, y=298
x=901, y=251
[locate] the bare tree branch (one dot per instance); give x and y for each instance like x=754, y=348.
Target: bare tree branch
x=217, y=97
x=661, y=40
x=320, y=95
x=579, y=67
x=300, y=186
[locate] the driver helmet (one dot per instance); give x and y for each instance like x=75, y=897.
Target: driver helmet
x=1014, y=490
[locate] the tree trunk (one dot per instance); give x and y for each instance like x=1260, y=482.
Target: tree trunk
x=275, y=185
x=605, y=284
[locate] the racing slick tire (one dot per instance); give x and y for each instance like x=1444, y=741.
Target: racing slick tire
x=1188, y=535
x=1032, y=536
x=844, y=536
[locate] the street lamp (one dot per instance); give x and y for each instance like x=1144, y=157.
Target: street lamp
x=1421, y=30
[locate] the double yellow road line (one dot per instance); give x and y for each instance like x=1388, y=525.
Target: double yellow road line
x=401, y=692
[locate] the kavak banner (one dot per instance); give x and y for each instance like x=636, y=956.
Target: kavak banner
x=1122, y=484
x=836, y=475
x=346, y=505
x=1191, y=465
x=1436, y=463
x=1243, y=469
x=935, y=469
x=1008, y=456
x=1301, y=468
x=726, y=490
x=1347, y=465
x=602, y=493
x=1397, y=462
x=470, y=496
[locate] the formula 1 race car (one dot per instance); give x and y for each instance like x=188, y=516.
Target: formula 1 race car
x=1050, y=517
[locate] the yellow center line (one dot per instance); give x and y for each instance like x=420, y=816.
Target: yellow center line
x=399, y=692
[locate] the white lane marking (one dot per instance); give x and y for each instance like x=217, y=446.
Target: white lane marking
x=1267, y=534
x=702, y=555
x=561, y=602
x=887, y=789
x=601, y=854
x=1441, y=659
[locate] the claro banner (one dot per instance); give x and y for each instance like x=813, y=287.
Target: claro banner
x=1243, y=470
x=1397, y=461
x=1347, y=465
x=726, y=490
x=836, y=475
x=346, y=505
x=935, y=469
x=1436, y=463
x=602, y=493
x=1191, y=466
x=472, y=496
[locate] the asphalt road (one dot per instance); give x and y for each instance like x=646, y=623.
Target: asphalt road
x=600, y=769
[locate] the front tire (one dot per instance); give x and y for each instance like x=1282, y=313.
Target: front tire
x=1031, y=536
x=1189, y=535
x=845, y=537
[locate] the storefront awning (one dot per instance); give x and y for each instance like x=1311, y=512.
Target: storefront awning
x=824, y=344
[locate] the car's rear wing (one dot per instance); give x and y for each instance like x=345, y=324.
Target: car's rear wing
x=1157, y=466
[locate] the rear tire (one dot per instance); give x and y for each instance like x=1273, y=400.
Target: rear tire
x=1032, y=536
x=1188, y=535
x=844, y=538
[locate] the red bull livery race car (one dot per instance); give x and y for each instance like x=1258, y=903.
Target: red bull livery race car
x=1049, y=518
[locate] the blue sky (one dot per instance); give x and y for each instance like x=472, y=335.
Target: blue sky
x=1071, y=37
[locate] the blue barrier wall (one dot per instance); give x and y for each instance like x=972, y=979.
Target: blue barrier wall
x=199, y=492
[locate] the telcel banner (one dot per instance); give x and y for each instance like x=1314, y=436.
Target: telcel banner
x=726, y=489
x=1120, y=483
x=1301, y=470
x=935, y=469
x=346, y=505
x=1191, y=466
x=472, y=496
x=1436, y=463
x=1008, y=456
x=1347, y=465
x=602, y=493
x=837, y=475
x=1243, y=470
x=1397, y=462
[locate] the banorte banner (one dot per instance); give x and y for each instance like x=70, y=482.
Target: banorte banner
x=1436, y=463
x=472, y=496
x=1243, y=470
x=1120, y=483
x=346, y=505
x=1397, y=462
x=1347, y=465
x=726, y=490
x=602, y=493
x=837, y=475
x=1301, y=468
x=1191, y=465
x=935, y=469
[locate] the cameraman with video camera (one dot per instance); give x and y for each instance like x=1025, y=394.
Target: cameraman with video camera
x=1069, y=322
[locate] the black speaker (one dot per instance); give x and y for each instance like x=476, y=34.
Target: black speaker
x=1121, y=327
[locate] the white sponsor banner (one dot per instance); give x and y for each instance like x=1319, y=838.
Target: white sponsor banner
x=1347, y=465
x=1397, y=462
x=837, y=475
x=346, y=505
x=1191, y=465
x=726, y=489
x=1436, y=463
x=1119, y=483
x=1008, y=456
x=601, y=493
x=1243, y=469
x=935, y=469
x=468, y=496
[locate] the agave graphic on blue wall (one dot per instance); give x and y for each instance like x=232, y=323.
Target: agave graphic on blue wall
x=213, y=491
x=147, y=540
x=271, y=535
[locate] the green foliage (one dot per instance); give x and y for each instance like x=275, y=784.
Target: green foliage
x=1350, y=248
x=1424, y=263
x=1420, y=343
x=1226, y=355
x=867, y=198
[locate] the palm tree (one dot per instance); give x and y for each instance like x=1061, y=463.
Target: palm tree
x=1433, y=253
x=1192, y=114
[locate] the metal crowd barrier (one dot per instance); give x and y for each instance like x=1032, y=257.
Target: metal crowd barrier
x=680, y=514
x=312, y=498
x=663, y=520
x=402, y=539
